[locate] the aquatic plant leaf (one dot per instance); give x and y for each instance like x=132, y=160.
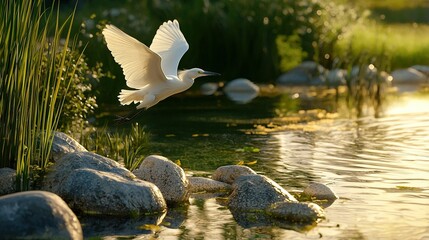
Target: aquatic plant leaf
x=251, y=163
x=150, y=227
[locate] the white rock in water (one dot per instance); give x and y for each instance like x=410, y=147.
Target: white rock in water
x=241, y=85
x=422, y=68
x=408, y=76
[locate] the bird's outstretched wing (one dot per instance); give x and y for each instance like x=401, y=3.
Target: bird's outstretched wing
x=171, y=45
x=141, y=65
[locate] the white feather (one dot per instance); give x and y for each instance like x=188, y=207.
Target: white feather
x=141, y=65
x=171, y=45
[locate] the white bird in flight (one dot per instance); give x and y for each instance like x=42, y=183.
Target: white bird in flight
x=152, y=71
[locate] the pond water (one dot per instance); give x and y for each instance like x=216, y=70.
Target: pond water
x=379, y=167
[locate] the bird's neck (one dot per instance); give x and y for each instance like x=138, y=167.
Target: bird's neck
x=185, y=77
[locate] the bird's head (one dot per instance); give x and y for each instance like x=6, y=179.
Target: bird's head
x=197, y=72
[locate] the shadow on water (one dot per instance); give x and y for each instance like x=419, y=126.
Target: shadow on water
x=377, y=165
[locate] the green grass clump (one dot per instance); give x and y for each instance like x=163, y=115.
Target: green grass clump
x=123, y=145
x=405, y=44
x=31, y=73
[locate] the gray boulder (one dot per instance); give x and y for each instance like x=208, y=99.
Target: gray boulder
x=229, y=173
x=78, y=160
x=202, y=184
x=7, y=181
x=256, y=193
x=296, y=212
x=167, y=176
x=97, y=192
x=94, y=184
x=37, y=215
x=62, y=144
x=319, y=191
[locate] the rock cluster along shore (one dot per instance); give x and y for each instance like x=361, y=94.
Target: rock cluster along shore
x=90, y=184
x=310, y=73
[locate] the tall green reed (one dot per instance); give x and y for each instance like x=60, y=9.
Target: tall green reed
x=33, y=47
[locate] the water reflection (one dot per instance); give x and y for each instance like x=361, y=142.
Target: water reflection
x=241, y=97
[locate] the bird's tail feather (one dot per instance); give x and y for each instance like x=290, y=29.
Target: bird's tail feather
x=128, y=96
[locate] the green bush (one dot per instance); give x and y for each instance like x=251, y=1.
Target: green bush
x=79, y=98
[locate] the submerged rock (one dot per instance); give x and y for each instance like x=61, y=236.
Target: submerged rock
x=37, y=215
x=229, y=173
x=63, y=144
x=167, y=176
x=256, y=193
x=202, y=184
x=7, y=181
x=94, y=184
x=298, y=212
x=102, y=227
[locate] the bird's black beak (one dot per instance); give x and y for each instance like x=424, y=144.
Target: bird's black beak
x=208, y=73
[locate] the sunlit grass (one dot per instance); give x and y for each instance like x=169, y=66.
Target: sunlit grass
x=404, y=45
x=391, y=4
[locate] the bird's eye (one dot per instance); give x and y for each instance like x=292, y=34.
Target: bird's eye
x=200, y=72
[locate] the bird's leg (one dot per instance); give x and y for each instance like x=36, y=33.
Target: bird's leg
x=129, y=117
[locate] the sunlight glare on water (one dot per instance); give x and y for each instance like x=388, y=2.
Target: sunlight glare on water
x=378, y=167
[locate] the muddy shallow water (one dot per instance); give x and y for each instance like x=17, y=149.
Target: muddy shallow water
x=379, y=167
